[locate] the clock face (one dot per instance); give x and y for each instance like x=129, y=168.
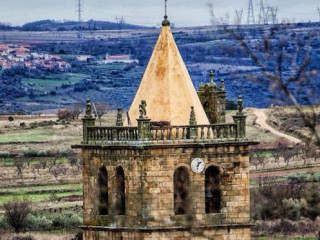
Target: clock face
x=197, y=165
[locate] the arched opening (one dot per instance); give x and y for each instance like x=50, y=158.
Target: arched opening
x=120, y=205
x=181, y=191
x=206, y=106
x=103, y=191
x=212, y=190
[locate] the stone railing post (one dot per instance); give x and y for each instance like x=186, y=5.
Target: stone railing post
x=144, y=128
x=119, y=122
x=193, y=133
x=87, y=121
x=240, y=119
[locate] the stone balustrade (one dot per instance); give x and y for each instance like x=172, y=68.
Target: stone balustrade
x=214, y=131
x=204, y=132
x=147, y=132
x=95, y=134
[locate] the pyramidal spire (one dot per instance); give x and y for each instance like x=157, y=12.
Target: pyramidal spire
x=166, y=85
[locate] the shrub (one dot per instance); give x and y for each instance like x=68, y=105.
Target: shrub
x=16, y=213
x=10, y=119
x=44, y=153
x=4, y=154
x=73, y=160
x=78, y=236
x=66, y=220
x=30, y=152
x=292, y=208
x=39, y=223
x=64, y=114
x=53, y=197
x=65, y=152
x=3, y=223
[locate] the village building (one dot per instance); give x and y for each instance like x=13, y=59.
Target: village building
x=119, y=59
x=12, y=55
x=173, y=169
x=85, y=58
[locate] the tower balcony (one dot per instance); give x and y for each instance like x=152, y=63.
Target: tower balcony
x=148, y=132
x=164, y=134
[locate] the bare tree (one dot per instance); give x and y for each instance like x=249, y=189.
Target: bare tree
x=19, y=164
x=253, y=160
x=43, y=163
x=76, y=110
x=16, y=213
x=101, y=109
x=279, y=77
x=275, y=153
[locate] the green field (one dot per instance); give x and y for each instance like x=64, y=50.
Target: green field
x=37, y=194
x=114, y=66
x=34, y=160
x=53, y=80
x=36, y=135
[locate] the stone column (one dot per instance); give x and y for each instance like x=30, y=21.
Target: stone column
x=221, y=108
x=87, y=121
x=144, y=130
x=193, y=133
x=240, y=119
x=119, y=122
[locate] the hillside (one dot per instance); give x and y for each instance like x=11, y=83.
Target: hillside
x=25, y=89
x=52, y=25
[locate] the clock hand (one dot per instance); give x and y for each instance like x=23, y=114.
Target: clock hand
x=198, y=165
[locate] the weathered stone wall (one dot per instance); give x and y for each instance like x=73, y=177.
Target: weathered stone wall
x=205, y=234
x=149, y=185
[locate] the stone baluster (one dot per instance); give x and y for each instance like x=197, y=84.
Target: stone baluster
x=177, y=133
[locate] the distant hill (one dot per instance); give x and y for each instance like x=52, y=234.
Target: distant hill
x=52, y=25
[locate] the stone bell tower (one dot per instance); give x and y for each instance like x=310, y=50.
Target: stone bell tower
x=213, y=100
x=185, y=179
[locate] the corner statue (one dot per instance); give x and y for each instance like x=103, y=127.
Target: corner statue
x=88, y=108
x=142, y=109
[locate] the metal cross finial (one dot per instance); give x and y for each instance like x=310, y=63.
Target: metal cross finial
x=165, y=22
x=165, y=8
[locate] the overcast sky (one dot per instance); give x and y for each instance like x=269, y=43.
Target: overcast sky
x=149, y=12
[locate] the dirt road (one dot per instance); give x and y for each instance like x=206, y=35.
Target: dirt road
x=262, y=122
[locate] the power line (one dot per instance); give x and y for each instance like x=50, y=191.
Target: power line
x=79, y=10
x=251, y=19
x=274, y=14
x=264, y=13
x=120, y=22
x=239, y=15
